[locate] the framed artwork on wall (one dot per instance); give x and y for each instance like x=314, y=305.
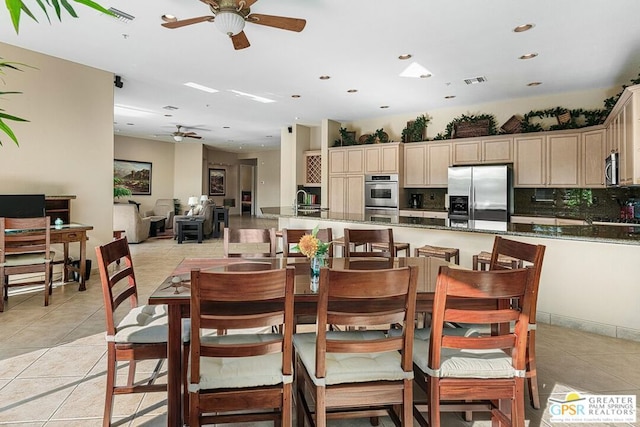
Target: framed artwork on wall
x=217, y=179
x=134, y=175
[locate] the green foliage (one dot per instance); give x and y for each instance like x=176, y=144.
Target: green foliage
x=119, y=190
x=346, y=138
x=17, y=7
x=414, y=131
x=609, y=103
x=591, y=118
x=380, y=135
x=493, y=130
x=4, y=127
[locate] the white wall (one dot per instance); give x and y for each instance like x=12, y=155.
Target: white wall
x=66, y=148
x=160, y=154
x=267, y=178
x=188, y=175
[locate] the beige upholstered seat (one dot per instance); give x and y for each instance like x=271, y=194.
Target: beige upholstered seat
x=164, y=208
x=126, y=217
x=205, y=211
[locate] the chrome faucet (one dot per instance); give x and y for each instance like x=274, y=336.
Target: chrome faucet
x=295, y=200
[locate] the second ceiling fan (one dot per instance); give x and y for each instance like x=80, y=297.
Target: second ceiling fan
x=230, y=17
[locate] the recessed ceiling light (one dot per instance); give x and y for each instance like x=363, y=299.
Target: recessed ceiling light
x=129, y=124
x=404, y=56
x=325, y=77
x=352, y=90
x=384, y=106
x=169, y=18
x=523, y=28
x=534, y=84
x=295, y=96
x=449, y=97
x=269, y=136
x=529, y=55
x=201, y=87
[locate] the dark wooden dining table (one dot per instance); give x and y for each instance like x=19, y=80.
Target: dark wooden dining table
x=178, y=296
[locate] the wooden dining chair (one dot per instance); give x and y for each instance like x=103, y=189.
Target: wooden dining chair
x=358, y=373
x=242, y=377
x=249, y=242
x=382, y=237
x=25, y=249
x=142, y=332
x=528, y=255
x=291, y=237
x=463, y=371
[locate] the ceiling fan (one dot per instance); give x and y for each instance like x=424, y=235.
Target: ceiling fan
x=230, y=17
x=180, y=134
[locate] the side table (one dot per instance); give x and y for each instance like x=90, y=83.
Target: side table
x=220, y=216
x=157, y=224
x=190, y=227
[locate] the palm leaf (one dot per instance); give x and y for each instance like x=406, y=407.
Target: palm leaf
x=44, y=9
x=67, y=6
x=6, y=129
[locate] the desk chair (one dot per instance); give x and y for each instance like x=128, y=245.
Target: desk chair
x=360, y=373
x=248, y=242
x=457, y=370
x=230, y=374
x=23, y=251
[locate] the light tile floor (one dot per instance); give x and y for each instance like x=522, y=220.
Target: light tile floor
x=52, y=359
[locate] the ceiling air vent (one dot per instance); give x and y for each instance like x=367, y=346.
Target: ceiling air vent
x=170, y=107
x=475, y=80
x=121, y=16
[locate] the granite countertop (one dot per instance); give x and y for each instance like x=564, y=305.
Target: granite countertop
x=628, y=235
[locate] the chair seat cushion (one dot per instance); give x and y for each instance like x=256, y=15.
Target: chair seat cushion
x=239, y=372
x=27, y=259
x=349, y=368
x=147, y=324
x=456, y=363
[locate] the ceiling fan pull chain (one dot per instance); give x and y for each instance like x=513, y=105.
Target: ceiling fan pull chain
x=241, y=5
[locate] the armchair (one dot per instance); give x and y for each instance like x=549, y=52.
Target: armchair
x=127, y=218
x=206, y=212
x=164, y=208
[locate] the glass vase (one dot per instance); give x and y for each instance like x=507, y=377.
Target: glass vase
x=314, y=270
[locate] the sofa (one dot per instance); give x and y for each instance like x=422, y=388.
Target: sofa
x=164, y=208
x=126, y=217
x=205, y=210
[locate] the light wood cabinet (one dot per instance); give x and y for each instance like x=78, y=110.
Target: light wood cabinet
x=346, y=194
x=563, y=160
x=427, y=164
x=593, y=156
x=382, y=158
x=312, y=169
x=346, y=160
x=482, y=151
x=415, y=158
x=412, y=213
x=623, y=134
x=438, y=162
x=529, y=161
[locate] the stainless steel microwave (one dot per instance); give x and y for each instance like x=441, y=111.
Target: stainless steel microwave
x=612, y=170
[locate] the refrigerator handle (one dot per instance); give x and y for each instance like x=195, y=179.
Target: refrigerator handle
x=472, y=202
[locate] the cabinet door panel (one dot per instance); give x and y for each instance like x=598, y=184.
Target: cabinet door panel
x=563, y=160
x=414, y=165
x=438, y=162
x=372, y=163
x=355, y=160
x=593, y=155
x=354, y=194
x=390, y=159
x=497, y=151
x=337, y=161
x=529, y=162
x=466, y=152
x=337, y=193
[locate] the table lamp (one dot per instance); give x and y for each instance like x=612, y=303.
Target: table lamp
x=193, y=200
x=203, y=199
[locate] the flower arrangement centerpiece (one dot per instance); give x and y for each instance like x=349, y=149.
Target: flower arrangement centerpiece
x=316, y=250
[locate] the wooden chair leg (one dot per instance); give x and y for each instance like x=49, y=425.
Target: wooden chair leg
x=132, y=373
x=532, y=374
x=111, y=382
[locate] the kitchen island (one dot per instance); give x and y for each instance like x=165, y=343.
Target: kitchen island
x=589, y=277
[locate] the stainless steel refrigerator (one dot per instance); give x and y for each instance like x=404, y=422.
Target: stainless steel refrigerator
x=480, y=197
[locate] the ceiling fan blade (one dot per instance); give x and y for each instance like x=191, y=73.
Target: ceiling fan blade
x=247, y=3
x=189, y=134
x=212, y=3
x=282, y=22
x=240, y=41
x=193, y=136
x=190, y=21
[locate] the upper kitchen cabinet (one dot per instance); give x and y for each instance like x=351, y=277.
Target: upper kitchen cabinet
x=346, y=160
x=623, y=134
x=594, y=152
x=483, y=151
x=426, y=164
x=383, y=158
x=313, y=168
x=563, y=160
x=529, y=161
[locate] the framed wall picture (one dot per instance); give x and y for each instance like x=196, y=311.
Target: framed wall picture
x=134, y=175
x=217, y=178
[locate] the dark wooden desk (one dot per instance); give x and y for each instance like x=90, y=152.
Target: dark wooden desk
x=305, y=302
x=72, y=233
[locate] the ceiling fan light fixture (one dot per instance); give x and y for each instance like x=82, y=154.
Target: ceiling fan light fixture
x=177, y=138
x=230, y=23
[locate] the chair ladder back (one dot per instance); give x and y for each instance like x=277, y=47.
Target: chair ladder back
x=258, y=236
x=355, y=237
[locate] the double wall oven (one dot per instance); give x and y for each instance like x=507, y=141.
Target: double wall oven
x=381, y=197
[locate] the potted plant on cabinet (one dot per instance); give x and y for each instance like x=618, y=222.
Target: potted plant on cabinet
x=416, y=129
